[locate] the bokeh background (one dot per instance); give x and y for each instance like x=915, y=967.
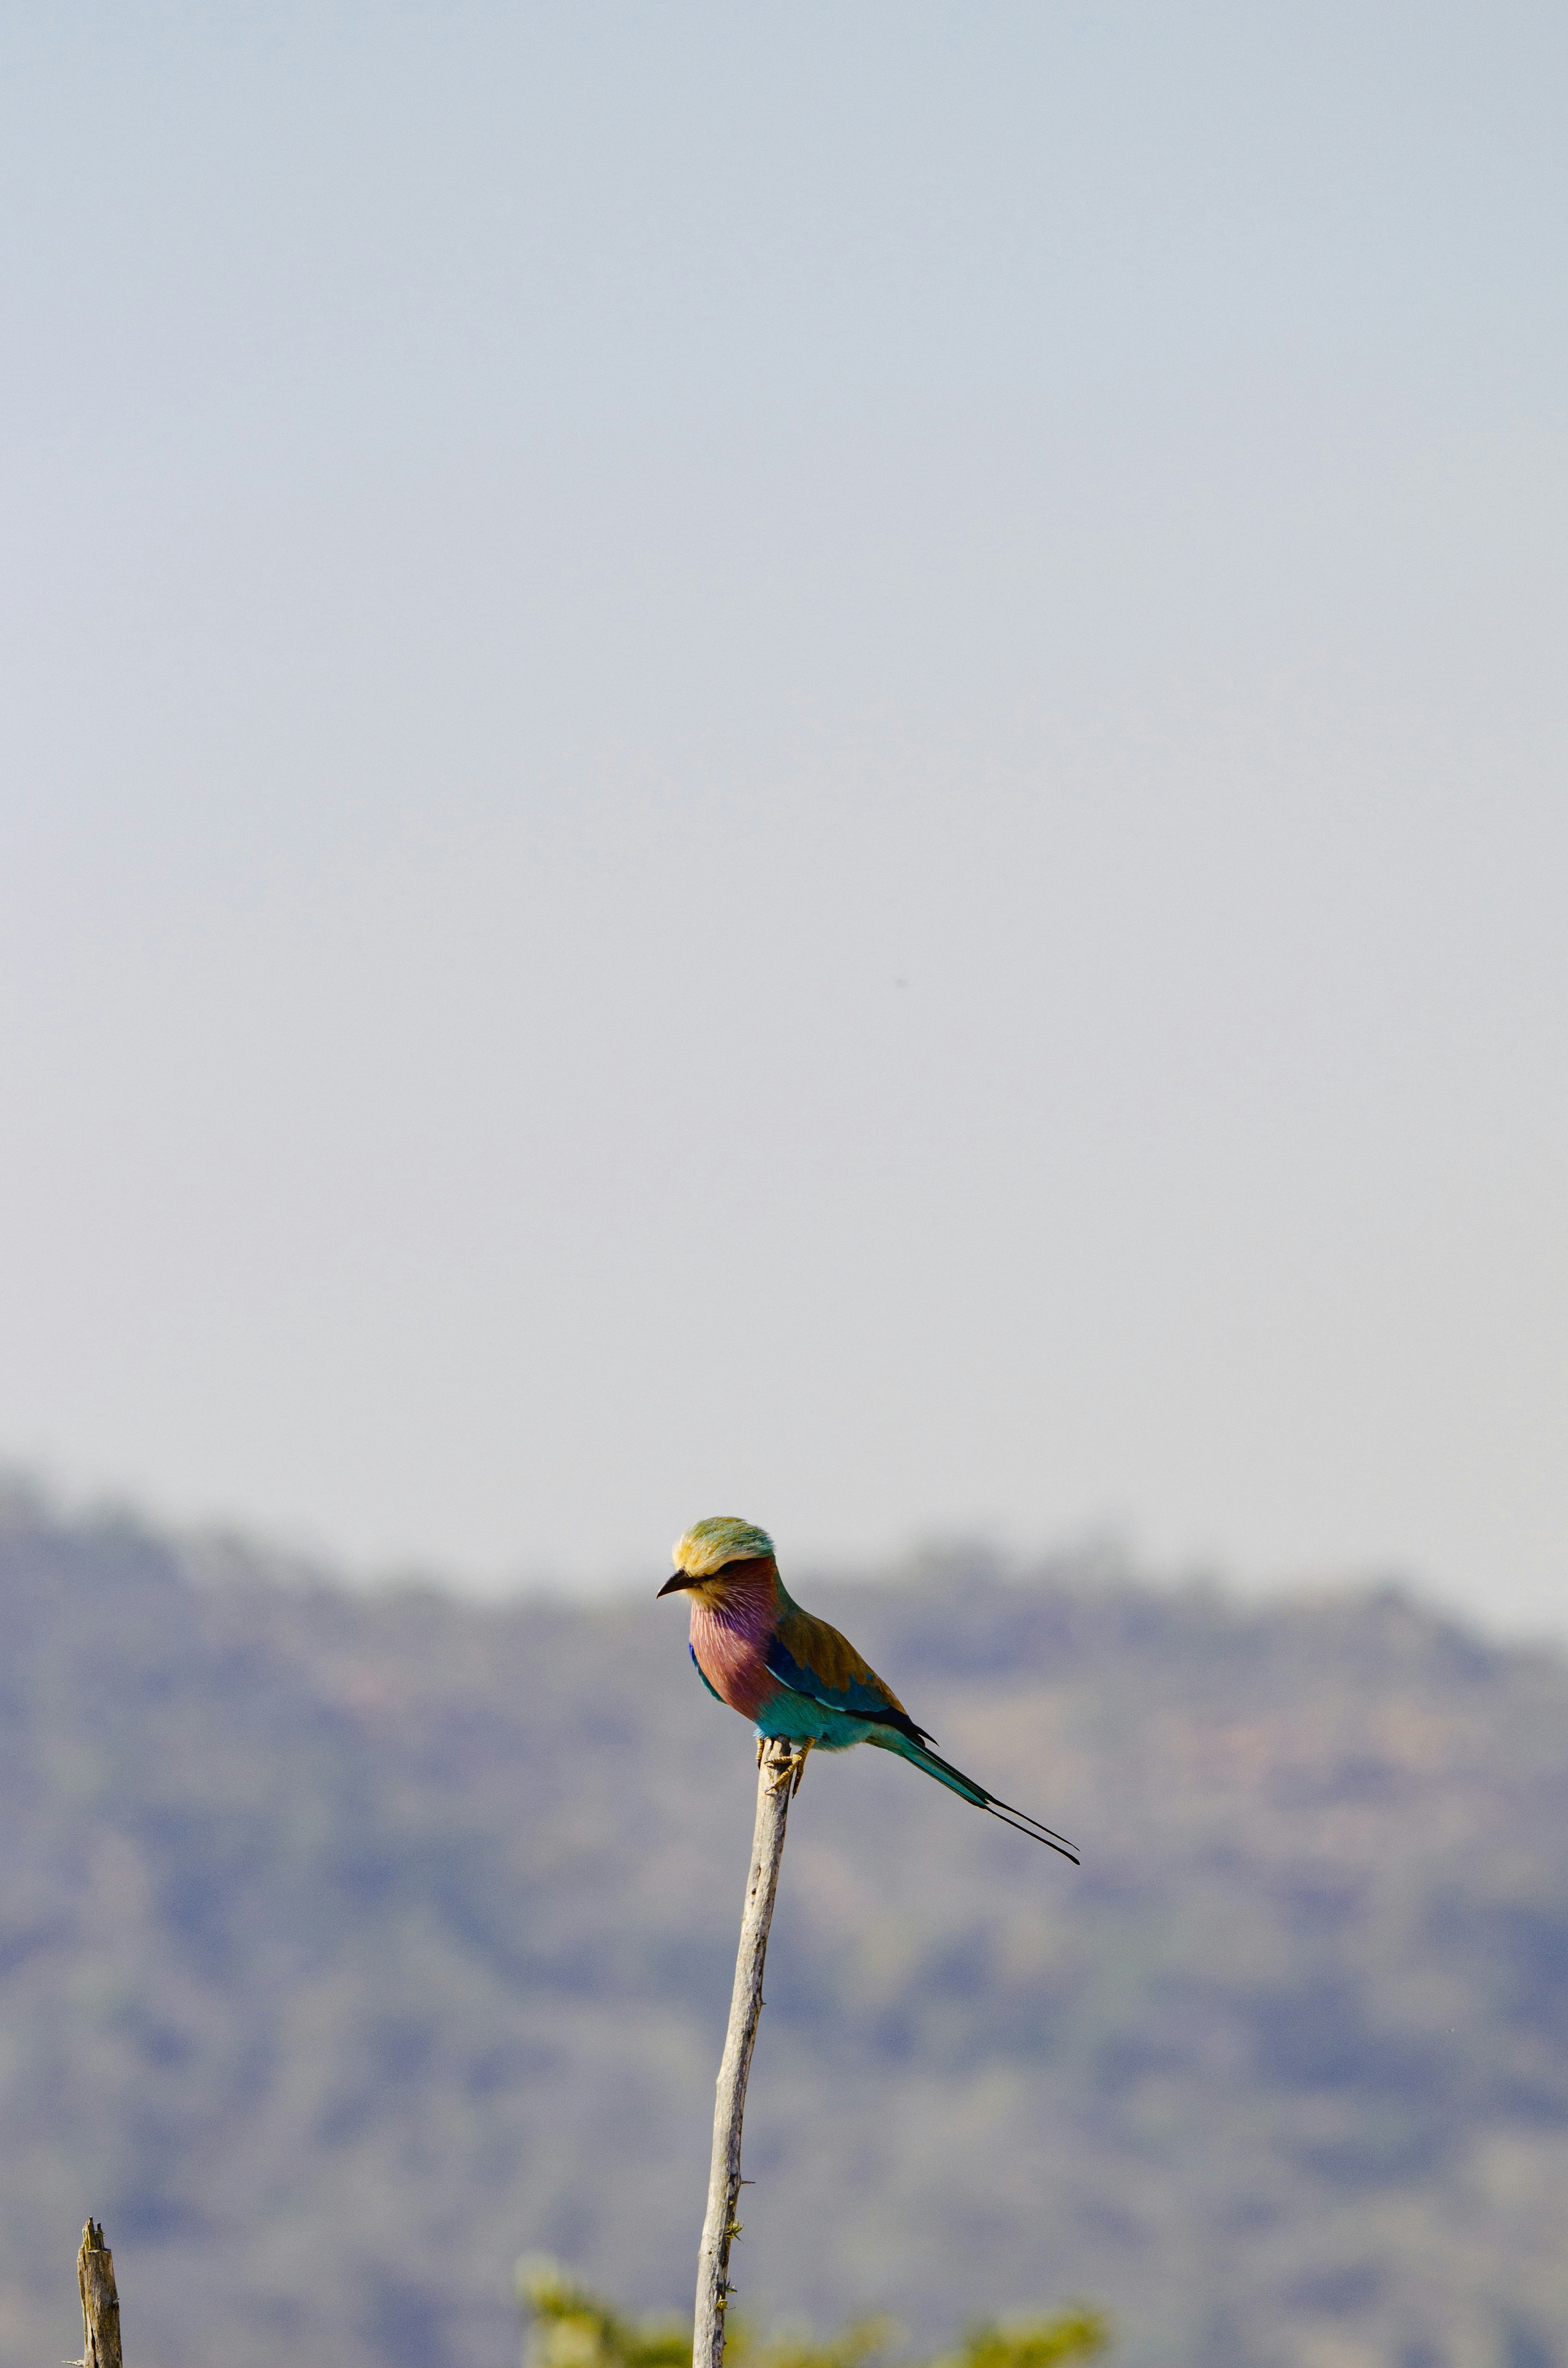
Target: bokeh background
x=807, y=759
x=353, y=1942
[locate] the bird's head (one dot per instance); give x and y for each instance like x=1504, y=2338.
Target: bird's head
x=716, y=1554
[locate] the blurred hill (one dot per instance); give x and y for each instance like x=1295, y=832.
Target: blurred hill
x=351, y=1944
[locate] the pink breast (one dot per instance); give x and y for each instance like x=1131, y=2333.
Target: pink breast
x=732, y=1660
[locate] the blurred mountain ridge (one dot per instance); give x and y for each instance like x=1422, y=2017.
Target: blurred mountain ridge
x=352, y=1944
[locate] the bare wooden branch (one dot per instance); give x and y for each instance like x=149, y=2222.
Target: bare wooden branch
x=100, y=2302
x=777, y=1762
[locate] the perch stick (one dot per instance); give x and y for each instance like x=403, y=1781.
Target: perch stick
x=777, y=1762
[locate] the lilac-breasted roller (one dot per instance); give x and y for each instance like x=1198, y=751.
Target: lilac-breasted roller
x=796, y=1678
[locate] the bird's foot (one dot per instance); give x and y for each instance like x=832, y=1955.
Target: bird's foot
x=788, y=1773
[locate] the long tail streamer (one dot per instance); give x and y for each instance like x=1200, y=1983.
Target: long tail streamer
x=1020, y=1820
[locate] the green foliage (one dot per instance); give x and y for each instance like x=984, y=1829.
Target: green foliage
x=861, y=2340
x=569, y=2328
x=1073, y=2334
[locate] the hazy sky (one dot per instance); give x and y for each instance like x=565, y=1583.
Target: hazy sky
x=806, y=760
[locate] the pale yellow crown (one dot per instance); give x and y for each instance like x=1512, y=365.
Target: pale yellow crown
x=724, y=1537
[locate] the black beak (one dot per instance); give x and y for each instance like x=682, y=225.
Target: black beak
x=673, y=1585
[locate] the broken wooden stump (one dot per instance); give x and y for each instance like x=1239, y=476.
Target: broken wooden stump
x=100, y=2302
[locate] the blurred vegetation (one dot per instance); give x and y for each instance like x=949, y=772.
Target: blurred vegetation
x=1074, y=2334
x=351, y=1941
x=568, y=2327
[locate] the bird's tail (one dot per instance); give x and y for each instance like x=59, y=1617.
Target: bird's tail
x=920, y=1754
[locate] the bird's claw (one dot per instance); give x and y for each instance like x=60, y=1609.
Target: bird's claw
x=787, y=1774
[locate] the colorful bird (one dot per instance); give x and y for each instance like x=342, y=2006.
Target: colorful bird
x=796, y=1678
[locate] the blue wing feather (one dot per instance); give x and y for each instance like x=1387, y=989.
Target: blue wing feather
x=859, y=1697
x=862, y=1700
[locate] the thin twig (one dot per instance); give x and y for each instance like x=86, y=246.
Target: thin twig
x=777, y=1761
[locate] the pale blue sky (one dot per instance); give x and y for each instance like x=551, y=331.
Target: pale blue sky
x=802, y=761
